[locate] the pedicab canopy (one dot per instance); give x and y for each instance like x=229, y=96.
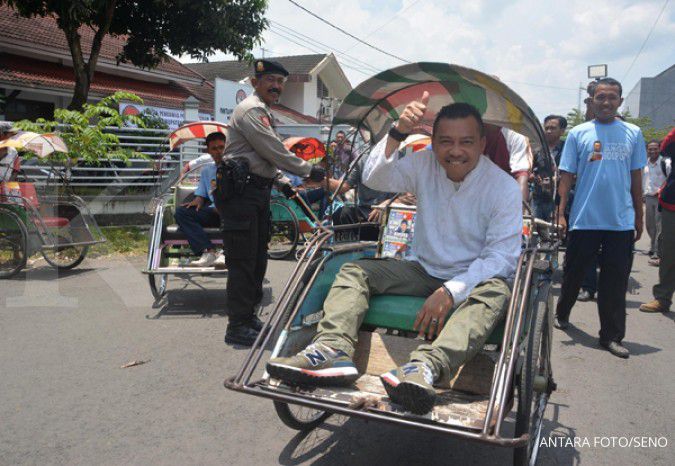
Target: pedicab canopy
x=195, y=130
x=309, y=149
x=375, y=103
x=40, y=144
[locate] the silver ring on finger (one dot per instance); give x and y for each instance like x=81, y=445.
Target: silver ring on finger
x=434, y=321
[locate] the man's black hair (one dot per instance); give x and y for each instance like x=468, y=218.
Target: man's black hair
x=562, y=121
x=460, y=110
x=654, y=141
x=404, y=221
x=215, y=136
x=606, y=82
x=340, y=132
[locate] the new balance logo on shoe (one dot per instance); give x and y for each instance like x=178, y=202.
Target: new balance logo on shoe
x=315, y=358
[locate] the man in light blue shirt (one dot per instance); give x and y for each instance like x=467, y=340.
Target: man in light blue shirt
x=607, y=156
x=192, y=217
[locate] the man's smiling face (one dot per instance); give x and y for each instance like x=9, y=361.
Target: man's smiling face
x=606, y=101
x=458, y=144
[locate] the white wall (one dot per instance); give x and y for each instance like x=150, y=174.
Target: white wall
x=312, y=103
x=293, y=96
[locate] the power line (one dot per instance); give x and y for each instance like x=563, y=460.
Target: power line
x=400, y=12
x=301, y=36
x=348, y=33
x=665, y=4
x=290, y=39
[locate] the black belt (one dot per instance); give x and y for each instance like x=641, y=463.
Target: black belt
x=259, y=181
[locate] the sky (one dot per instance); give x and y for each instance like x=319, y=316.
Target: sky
x=539, y=48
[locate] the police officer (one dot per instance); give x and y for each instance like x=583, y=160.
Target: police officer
x=245, y=216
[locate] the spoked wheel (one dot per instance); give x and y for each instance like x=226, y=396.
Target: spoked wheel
x=285, y=231
x=535, y=383
x=13, y=244
x=65, y=257
x=299, y=417
x=158, y=285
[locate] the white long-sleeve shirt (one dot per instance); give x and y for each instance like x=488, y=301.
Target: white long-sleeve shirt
x=653, y=176
x=463, y=235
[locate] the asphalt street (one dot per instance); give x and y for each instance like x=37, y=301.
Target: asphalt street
x=65, y=399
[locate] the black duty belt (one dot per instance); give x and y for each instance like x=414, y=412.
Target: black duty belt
x=259, y=181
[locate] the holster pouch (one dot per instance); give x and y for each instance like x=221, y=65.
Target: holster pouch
x=231, y=179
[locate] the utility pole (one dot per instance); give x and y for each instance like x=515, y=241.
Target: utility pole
x=579, y=98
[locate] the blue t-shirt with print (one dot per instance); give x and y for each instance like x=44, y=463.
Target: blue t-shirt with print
x=207, y=182
x=603, y=156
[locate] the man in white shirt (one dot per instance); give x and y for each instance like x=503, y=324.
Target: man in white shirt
x=655, y=173
x=466, y=245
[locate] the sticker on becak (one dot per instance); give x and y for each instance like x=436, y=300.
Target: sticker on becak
x=241, y=95
x=265, y=121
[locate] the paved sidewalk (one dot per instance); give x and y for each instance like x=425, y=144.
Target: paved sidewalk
x=65, y=400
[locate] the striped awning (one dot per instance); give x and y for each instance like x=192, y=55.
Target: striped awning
x=40, y=144
x=375, y=103
x=196, y=130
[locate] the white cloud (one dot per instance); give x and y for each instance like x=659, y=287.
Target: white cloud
x=528, y=43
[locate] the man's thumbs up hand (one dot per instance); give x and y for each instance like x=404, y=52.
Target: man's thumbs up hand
x=412, y=115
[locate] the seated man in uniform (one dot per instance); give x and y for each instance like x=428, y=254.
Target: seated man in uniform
x=192, y=217
x=466, y=245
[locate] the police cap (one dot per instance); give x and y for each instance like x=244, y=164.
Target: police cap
x=268, y=67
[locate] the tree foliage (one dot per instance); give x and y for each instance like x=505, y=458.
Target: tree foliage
x=153, y=28
x=645, y=124
x=83, y=131
x=575, y=117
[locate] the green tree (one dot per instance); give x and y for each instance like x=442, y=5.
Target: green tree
x=645, y=124
x=83, y=131
x=152, y=28
x=574, y=118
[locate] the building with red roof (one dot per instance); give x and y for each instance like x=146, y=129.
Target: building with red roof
x=36, y=74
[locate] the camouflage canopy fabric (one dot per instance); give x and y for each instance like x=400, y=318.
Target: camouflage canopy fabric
x=378, y=101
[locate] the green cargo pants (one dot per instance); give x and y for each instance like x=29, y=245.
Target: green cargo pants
x=462, y=337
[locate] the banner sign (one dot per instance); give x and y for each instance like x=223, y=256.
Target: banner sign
x=173, y=117
x=227, y=95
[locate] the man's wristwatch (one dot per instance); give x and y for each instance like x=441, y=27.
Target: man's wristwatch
x=396, y=134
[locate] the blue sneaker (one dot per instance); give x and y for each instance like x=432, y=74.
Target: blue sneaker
x=316, y=365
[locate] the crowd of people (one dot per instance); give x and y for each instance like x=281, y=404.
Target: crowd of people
x=610, y=182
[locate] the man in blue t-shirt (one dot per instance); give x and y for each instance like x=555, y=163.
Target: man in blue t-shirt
x=607, y=156
x=192, y=217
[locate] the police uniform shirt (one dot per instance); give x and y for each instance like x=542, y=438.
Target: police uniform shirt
x=251, y=135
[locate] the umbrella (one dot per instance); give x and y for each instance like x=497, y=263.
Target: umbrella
x=310, y=149
x=40, y=144
x=416, y=141
x=196, y=130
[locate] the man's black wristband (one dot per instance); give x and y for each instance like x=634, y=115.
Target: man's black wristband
x=397, y=135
